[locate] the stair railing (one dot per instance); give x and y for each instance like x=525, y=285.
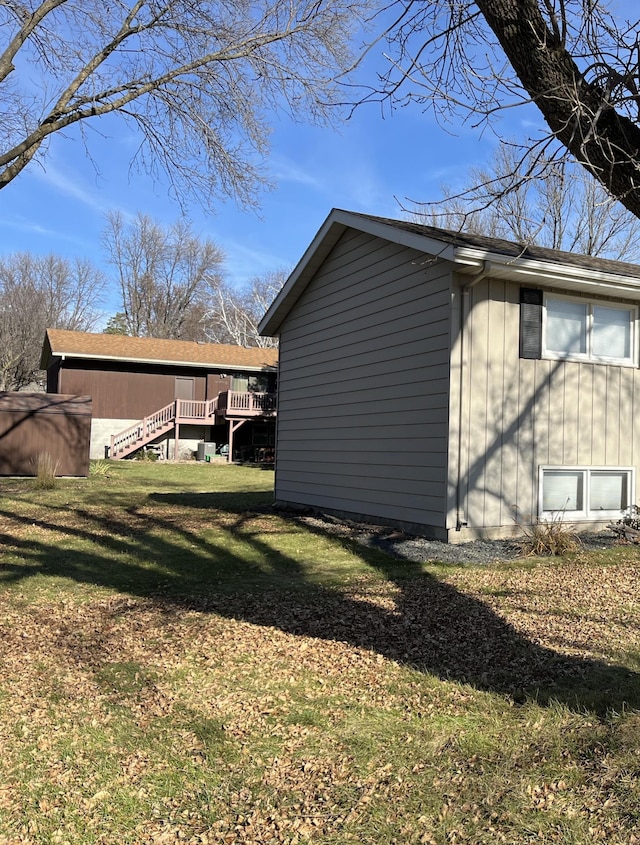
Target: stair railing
x=142, y=432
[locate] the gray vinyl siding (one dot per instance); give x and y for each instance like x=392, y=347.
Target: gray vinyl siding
x=363, y=386
x=520, y=414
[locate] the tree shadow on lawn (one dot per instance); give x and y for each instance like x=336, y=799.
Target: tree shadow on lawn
x=428, y=624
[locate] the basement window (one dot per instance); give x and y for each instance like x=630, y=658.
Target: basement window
x=585, y=492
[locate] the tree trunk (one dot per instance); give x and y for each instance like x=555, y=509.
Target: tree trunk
x=605, y=142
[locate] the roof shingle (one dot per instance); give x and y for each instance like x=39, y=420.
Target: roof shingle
x=508, y=248
x=123, y=348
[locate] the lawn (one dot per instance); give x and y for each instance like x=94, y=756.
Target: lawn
x=182, y=665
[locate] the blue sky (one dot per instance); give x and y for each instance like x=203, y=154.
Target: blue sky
x=369, y=164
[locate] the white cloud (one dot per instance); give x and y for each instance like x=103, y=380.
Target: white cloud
x=286, y=170
x=70, y=185
x=21, y=224
x=244, y=262
x=47, y=238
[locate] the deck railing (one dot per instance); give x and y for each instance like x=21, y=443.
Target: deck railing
x=144, y=431
x=191, y=409
x=230, y=403
x=231, y=400
x=253, y=404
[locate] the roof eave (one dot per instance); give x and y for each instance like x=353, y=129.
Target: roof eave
x=337, y=222
x=167, y=363
x=548, y=273
x=325, y=239
x=468, y=259
x=46, y=354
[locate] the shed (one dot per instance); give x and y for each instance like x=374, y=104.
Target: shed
x=37, y=424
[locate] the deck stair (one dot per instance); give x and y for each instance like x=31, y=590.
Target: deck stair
x=143, y=432
x=230, y=405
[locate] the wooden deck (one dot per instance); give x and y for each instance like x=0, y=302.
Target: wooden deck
x=234, y=404
x=231, y=405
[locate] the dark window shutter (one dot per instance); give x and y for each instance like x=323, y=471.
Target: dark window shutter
x=530, y=323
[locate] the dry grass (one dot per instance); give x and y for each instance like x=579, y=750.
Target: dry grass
x=548, y=537
x=46, y=468
x=180, y=666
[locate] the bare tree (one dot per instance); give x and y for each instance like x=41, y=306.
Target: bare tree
x=236, y=312
x=576, y=60
x=167, y=276
x=564, y=209
x=195, y=79
x=37, y=293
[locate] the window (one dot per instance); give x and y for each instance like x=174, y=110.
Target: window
x=240, y=383
x=259, y=383
x=566, y=326
x=585, y=492
x=588, y=331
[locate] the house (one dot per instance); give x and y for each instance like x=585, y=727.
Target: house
x=179, y=397
x=455, y=385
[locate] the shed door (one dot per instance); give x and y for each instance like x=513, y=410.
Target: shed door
x=185, y=388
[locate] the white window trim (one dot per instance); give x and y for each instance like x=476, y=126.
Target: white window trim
x=588, y=356
x=585, y=515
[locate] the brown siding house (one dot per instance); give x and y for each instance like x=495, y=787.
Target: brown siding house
x=455, y=385
x=131, y=379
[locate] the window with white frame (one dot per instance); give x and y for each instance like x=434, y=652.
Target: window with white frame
x=585, y=492
x=580, y=330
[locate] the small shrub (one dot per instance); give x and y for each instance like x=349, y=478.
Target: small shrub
x=46, y=471
x=631, y=517
x=99, y=469
x=546, y=537
x=628, y=526
x=145, y=455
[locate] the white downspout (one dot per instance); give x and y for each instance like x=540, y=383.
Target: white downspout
x=461, y=520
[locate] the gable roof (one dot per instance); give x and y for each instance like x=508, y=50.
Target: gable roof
x=472, y=254
x=59, y=343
